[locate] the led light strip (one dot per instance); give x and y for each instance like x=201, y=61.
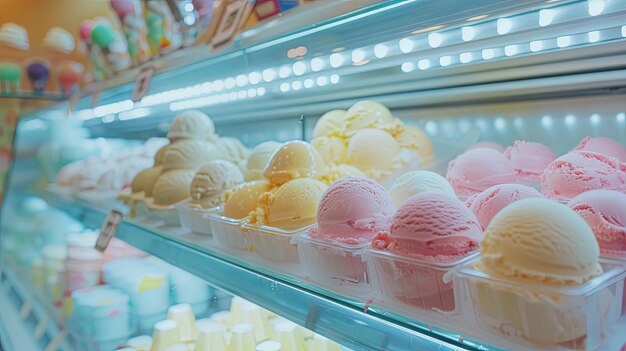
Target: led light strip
x=308, y=74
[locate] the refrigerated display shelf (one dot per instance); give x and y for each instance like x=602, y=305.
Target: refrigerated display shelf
x=30, y=320
x=344, y=320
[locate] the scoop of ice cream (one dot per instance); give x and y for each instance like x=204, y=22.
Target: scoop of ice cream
x=488, y=203
x=337, y=172
x=416, y=140
x=373, y=151
x=258, y=159
x=292, y=206
x=160, y=155
x=293, y=160
x=352, y=211
x=333, y=149
x=487, y=144
x=605, y=212
x=477, y=169
x=150, y=180
x=190, y=154
x=366, y=114
x=540, y=241
x=432, y=226
x=580, y=171
x=243, y=199
x=211, y=182
x=330, y=124
x=605, y=146
x=139, y=183
x=529, y=159
x=171, y=187
x=234, y=150
x=58, y=39
x=14, y=36
x=416, y=182
x=192, y=124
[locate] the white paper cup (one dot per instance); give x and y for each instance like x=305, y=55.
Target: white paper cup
x=140, y=343
x=242, y=338
x=165, y=335
x=223, y=318
x=183, y=315
x=210, y=337
x=287, y=335
x=253, y=315
x=269, y=345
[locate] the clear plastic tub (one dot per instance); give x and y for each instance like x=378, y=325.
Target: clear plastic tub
x=168, y=215
x=194, y=218
x=272, y=248
x=409, y=285
x=542, y=316
x=227, y=231
x=333, y=265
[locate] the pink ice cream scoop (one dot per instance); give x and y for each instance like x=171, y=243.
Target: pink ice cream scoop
x=487, y=144
x=579, y=171
x=605, y=212
x=488, y=203
x=605, y=146
x=352, y=211
x=529, y=159
x=477, y=169
x=432, y=226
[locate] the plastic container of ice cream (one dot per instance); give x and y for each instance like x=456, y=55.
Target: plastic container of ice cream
x=227, y=232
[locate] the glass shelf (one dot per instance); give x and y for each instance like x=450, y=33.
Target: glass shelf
x=344, y=320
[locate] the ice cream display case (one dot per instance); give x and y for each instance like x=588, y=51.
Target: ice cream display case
x=387, y=175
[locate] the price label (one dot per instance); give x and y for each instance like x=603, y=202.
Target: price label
x=142, y=84
x=108, y=229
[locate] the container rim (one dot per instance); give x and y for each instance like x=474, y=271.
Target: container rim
x=263, y=229
x=614, y=271
x=218, y=215
x=374, y=252
x=305, y=237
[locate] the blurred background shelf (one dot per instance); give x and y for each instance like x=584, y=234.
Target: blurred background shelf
x=344, y=320
x=30, y=321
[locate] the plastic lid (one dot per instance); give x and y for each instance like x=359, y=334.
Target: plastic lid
x=140, y=342
x=82, y=239
x=85, y=255
x=269, y=345
x=165, y=325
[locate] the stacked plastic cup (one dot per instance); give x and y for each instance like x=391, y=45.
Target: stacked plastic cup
x=103, y=313
x=147, y=287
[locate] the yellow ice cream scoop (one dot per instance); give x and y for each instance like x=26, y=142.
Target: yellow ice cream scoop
x=243, y=199
x=373, y=151
x=542, y=241
x=293, y=160
x=192, y=124
x=292, y=206
x=333, y=149
x=415, y=139
x=171, y=188
x=366, y=114
x=190, y=154
x=211, y=182
x=341, y=171
x=537, y=254
x=233, y=149
x=158, y=157
x=258, y=159
x=331, y=123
